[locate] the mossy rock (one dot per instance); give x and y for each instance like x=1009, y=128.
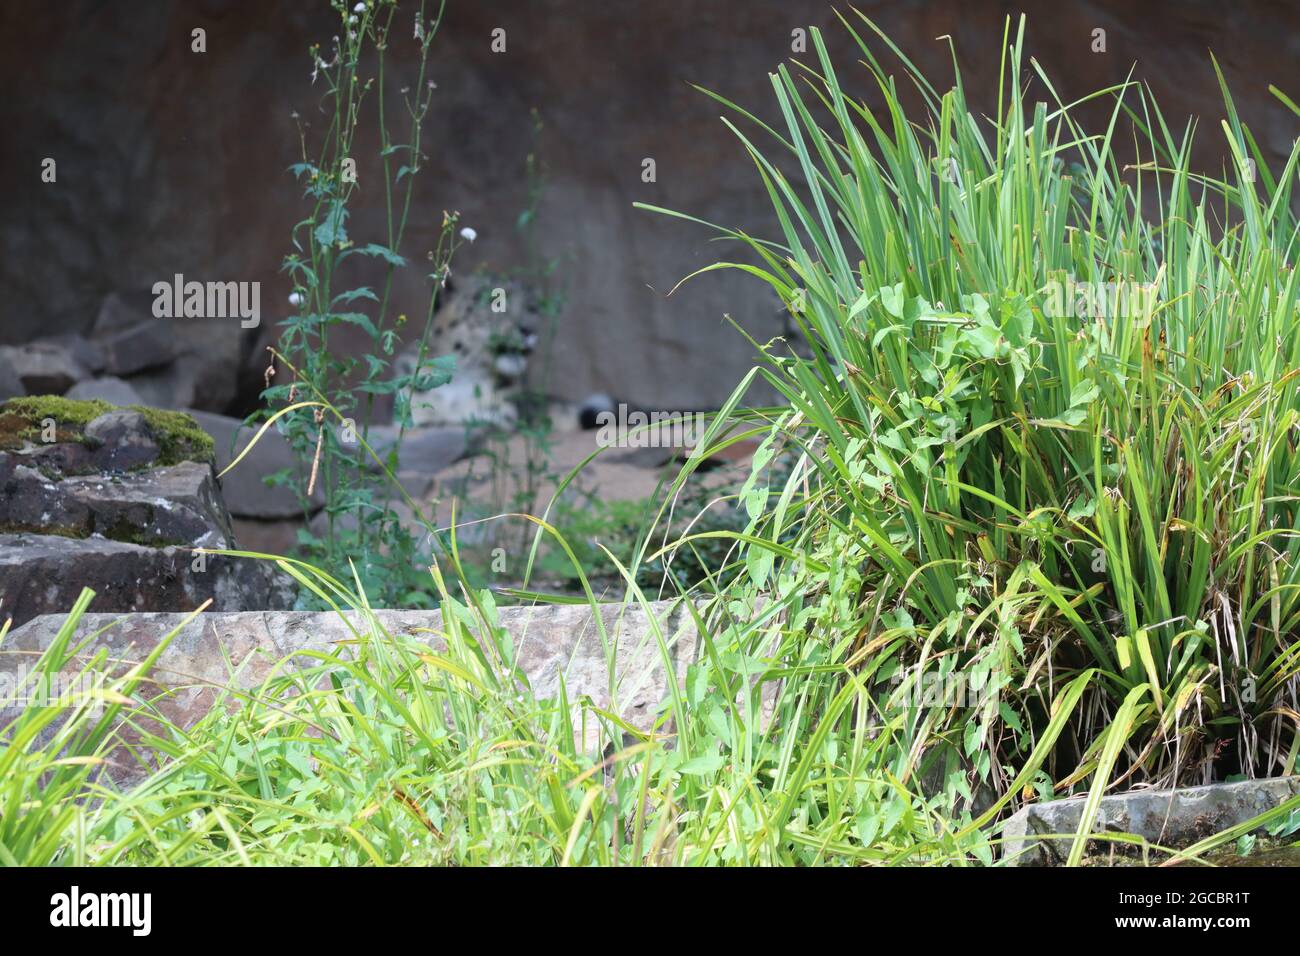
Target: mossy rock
x=179, y=436
x=21, y=418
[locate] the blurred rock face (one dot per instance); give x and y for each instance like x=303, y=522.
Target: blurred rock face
x=170, y=161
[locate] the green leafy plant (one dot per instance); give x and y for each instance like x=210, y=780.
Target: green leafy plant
x=360, y=523
x=1007, y=478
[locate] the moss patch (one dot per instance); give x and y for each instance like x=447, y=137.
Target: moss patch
x=11, y=431
x=67, y=411
x=21, y=418
x=178, y=435
x=62, y=531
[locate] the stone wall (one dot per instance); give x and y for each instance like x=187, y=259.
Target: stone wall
x=171, y=161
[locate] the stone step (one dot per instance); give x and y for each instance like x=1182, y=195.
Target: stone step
x=44, y=573
x=550, y=641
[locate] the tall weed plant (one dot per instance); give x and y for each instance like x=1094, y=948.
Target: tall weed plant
x=309, y=369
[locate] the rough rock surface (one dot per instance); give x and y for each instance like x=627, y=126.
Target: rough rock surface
x=1172, y=818
x=45, y=368
x=551, y=642
x=87, y=354
x=171, y=363
x=125, y=438
x=11, y=385
x=176, y=505
x=147, y=344
x=102, y=507
x=157, y=174
x=44, y=574
x=107, y=388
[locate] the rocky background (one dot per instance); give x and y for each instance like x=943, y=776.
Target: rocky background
x=171, y=161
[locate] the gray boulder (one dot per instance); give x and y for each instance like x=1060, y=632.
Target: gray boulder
x=44, y=574
x=246, y=493
x=119, y=310
x=148, y=344
x=107, y=388
x=423, y=450
x=11, y=386
x=126, y=440
x=176, y=505
x=87, y=353
x=44, y=368
x=1040, y=834
x=171, y=362
x=181, y=383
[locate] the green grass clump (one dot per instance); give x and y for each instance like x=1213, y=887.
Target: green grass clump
x=1007, y=481
x=387, y=750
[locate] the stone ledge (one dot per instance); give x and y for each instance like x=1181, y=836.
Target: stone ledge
x=1175, y=818
x=40, y=573
x=549, y=641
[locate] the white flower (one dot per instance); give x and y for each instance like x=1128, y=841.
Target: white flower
x=359, y=8
x=295, y=299
x=468, y=234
